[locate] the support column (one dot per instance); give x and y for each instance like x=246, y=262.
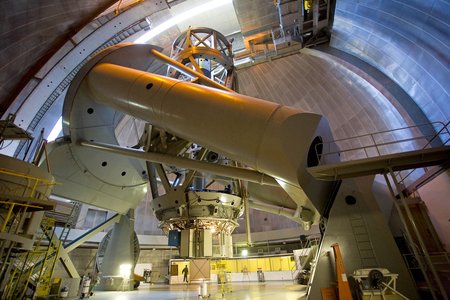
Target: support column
x=365, y=240
x=119, y=259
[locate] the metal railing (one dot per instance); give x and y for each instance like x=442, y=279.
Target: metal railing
x=385, y=142
x=444, y=131
x=33, y=183
x=32, y=189
x=438, y=258
x=404, y=139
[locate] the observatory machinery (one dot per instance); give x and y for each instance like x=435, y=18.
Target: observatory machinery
x=198, y=210
x=201, y=145
x=202, y=142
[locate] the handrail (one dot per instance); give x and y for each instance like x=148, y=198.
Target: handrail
x=35, y=181
x=369, y=147
x=10, y=210
x=398, y=129
x=445, y=127
x=373, y=137
x=18, y=174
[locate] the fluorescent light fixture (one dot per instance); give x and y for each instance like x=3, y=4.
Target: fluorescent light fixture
x=244, y=252
x=55, y=131
x=180, y=18
x=243, y=61
x=60, y=199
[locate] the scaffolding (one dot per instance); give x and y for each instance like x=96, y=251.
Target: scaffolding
x=31, y=271
x=28, y=246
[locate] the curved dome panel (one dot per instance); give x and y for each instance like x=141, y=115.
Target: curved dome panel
x=313, y=82
x=31, y=32
x=409, y=41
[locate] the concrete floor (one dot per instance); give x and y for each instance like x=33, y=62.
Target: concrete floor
x=240, y=291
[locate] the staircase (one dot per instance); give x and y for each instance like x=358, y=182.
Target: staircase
x=307, y=256
x=65, y=220
x=31, y=271
x=441, y=262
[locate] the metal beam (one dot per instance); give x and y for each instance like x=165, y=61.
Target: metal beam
x=378, y=165
x=277, y=210
x=64, y=251
x=163, y=177
x=67, y=263
x=86, y=236
x=185, y=70
x=228, y=171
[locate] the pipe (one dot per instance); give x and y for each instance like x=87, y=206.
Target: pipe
x=247, y=220
x=277, y=210
x=228, y=171
x=151, y=170
x=244, y=195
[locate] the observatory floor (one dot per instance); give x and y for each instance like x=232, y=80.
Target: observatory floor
x=285, y=290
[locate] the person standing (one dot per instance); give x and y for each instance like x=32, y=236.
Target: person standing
x=185, y=272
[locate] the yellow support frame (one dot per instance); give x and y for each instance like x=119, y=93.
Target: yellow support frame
x=35, y=182
x=25, y=265
x=45, y=182
x=11, y=207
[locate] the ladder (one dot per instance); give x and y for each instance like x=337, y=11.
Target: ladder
x=363, y=242
x=71, y=222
